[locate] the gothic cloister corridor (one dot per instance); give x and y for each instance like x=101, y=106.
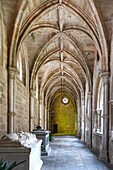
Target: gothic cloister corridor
x=69, y=153
x=56, y=72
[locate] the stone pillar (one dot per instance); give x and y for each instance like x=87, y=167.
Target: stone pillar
x=89, y=137
x=111, y=115
x=45, y=117
x=38, y=112
x=39, y=106
x=32, y=93
x=86, y=127
x=79, y=122
x=12, y=72
x=105, y=135
x=83, y=118
x=48, y=118
x=41, y=113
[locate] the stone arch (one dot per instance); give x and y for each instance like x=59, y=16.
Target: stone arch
x=16, y=34
x=19, y=25
x=101, y=31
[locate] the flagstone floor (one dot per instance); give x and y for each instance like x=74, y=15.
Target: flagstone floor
x=69, y=153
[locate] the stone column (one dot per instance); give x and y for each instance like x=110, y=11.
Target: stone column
x=41, y=113
x=83, y=118
x=105, y=135
x=32, y=93
x=111, y=115
x=12, y=72
x=89, y=139
x=48, y=121
x=86, y=126
x=38, y=112
x=79, y=122
x=48, y=118
x=40, y=103
x=45, y=117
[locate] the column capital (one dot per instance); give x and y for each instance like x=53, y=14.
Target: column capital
x=105, y=74
x=105, y=77
x=40, y=97
x=105, y=116
x=12, y=72
x=32, y=92
x=89, y=93
x=98, y=111
x=94, y=111
x=89, y=118
x=111, y=102
x=45, y=106
x=79, y=108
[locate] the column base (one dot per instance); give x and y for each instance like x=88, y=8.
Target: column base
x=82, y=139
x=104, y=155
x=88, y=144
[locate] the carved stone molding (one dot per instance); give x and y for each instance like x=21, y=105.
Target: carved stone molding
x=12, y=72
x=105, y=74
x=105, y=116
x=89, y=93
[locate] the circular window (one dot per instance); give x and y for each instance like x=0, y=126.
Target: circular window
x=65, y=100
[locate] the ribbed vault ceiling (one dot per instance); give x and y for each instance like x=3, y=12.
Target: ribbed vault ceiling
x=62, y=43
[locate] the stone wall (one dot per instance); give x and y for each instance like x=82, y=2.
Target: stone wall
x=3, y=101
x=3, y=75
x=21, y=107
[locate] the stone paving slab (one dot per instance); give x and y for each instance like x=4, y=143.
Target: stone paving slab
x=69, y=153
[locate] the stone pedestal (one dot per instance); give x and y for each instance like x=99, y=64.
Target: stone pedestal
x=104, y=156
x=12, y=151
x=44, y=135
